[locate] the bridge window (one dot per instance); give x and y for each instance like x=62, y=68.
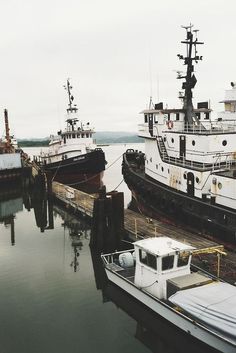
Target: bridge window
x=145, y=118
x=167, y=262
x=207, y=115
x=148, y=259
x=182, y=260
x=177, y=116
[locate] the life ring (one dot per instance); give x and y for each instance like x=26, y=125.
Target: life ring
x=169, y=124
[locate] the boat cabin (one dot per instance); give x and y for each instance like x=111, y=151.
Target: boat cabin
x=157, y=261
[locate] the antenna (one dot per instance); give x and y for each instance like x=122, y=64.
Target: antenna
x=190, y=79
x=68, y=88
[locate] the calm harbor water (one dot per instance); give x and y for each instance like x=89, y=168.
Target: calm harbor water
x=54, y=296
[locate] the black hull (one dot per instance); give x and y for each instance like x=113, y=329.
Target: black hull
x=159, y=201
x=83, y=169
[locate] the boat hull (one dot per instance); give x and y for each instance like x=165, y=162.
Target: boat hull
x=162, y=202
x=187, y=325
x=82, y=170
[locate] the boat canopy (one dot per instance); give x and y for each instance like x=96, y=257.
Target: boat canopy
x=213, y=304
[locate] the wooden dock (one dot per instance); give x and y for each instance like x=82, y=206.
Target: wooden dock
x=138, y=226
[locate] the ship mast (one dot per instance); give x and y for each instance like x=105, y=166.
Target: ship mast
x=191, y=120
x=72, y=108
x=8, y=138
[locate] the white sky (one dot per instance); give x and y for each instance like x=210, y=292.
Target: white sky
x=116, y=53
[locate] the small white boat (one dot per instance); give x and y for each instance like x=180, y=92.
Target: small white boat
x=158, y=272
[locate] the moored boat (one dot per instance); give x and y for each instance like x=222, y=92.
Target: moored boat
x=73, y=156
x=158, y=273
x=188, y=172
x=11, y=162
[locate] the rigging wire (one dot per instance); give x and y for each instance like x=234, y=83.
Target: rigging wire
x=94, y=176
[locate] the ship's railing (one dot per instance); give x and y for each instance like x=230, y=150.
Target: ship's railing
x=210, y=127
x=220, y=160
x=206, y=127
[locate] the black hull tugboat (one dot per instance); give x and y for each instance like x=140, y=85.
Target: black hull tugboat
x=188, y=172
x=72, y=156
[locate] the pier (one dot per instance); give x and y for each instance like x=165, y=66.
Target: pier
x=137, y=226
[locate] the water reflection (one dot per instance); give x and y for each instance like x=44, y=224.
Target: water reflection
x=78, y=231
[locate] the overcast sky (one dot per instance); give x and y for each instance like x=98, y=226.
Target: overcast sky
x=117, y=53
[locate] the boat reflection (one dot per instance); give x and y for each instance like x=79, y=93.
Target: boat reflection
x=78, y=231
x=15, y=197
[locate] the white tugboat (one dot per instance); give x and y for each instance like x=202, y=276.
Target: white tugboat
x=73, y=156
x=188, y=171
x=158, y=273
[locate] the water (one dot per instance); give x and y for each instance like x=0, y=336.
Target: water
x=54, y=296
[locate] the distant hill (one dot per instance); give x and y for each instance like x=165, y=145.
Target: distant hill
x=116, y=137
x=101, y=137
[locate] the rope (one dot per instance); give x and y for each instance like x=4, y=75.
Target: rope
x=118, y=185
x=114, y=162
x=148, y=285
x=94, y=176
x=56, y=171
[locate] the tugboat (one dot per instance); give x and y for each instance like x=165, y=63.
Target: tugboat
x=188, y=172
x=72, y=156
x=158, y=273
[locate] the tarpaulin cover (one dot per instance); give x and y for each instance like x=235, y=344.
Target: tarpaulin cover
x=212, y=304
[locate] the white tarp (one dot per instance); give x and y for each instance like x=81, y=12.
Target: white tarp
x=10, y=161
x=213, y=304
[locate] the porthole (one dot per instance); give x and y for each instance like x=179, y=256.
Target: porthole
x=168, y=171
x=151, y=159
x=185, y=175
x=156, y=166
x=164, y=139
x=219, y=186
x=193, y=143
x=224, y=142
x=172, y=140
x=197, y=180
x=162, y=169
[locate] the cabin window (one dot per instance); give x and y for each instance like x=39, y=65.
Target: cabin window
x=168, y=116
x=219, y=186
x=90, y=135
x=82, y=135
x=73, y=136
x=145, y=118
x=182, y=260
x=177, y=116
x=148, y=259
x=193, y=143
x=167, y=262
x=77, y=135
x=151, y=159
x=87, y=135
x=207, y=115
x=64, y=139
x=198, y=115
x=156, y=118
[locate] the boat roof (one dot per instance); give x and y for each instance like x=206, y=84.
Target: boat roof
x=162, y=245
